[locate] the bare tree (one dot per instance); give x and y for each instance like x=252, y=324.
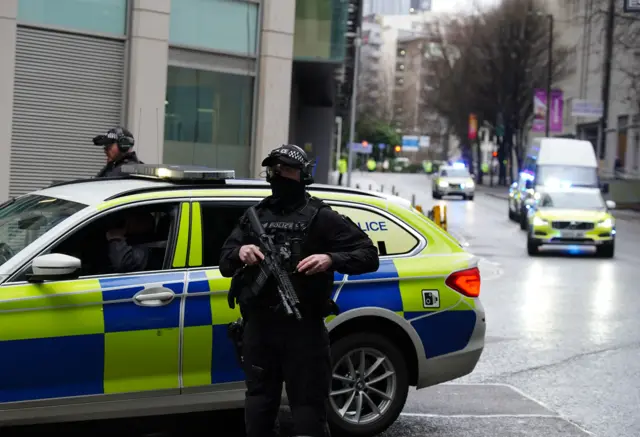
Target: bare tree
x=374, y=94
x=626, y=48
x=491, y=64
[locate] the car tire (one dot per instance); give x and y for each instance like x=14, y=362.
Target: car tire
x=523, y=220
x=470, y=198
x=607, y=250
x=375, y=346
x=512, y=215
x=436, y=196
x=532, y=246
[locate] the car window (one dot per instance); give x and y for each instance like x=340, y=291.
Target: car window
x=386, y=234
x=27, y=218
x=443, y=173
x=218, y=220
x=456, y=173
x=149, y=231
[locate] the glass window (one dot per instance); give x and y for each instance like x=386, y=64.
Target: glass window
x=573, y=200
x=320, y=30
x=551, y=175
x=25, y=219
x=228, y=25
x=390, y=238
x=102, y=16
x=208, y=119
x=218, y=221
x=147, y=230
x=455, y=173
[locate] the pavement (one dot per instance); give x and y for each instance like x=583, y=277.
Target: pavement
x=562, y=345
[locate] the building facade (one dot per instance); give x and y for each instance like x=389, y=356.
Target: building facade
x=206, y=82
x=580, y=26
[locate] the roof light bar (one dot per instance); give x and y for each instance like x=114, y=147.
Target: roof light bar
x=177, y=172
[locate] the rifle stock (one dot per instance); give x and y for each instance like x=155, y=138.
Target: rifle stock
x=271, y=266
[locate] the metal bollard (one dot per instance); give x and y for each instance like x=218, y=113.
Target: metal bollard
x=358, y=186
x=443, y=222
x=382, y=188
x=413, y=200
x=436, y=215
x=370, y=187
x=393, y=190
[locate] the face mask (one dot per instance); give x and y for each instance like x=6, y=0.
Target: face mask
x=286, y=190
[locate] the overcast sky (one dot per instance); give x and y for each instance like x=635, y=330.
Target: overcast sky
x=459, y=5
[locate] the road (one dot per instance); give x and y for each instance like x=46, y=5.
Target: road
x=562, y=349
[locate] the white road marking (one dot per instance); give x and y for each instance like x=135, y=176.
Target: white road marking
x=480, y=416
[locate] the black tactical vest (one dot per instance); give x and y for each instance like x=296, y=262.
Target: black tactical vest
x=289, y=230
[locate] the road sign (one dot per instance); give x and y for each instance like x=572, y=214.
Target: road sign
x=586, y=108
x=425, y=141
x=632, y=6
x=410, y=143
x=363, y=148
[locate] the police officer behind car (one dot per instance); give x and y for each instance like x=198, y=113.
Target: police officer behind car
x=117, y=144
x=315, y=241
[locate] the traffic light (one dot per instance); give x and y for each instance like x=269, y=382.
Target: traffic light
x=397, y=149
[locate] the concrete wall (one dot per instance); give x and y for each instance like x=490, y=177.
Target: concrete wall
x=8, y=13
x=148, y=47
x=274, y=87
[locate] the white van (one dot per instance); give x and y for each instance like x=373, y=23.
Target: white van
x=553, y=163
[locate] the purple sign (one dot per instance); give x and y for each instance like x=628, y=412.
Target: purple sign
x=540, y=111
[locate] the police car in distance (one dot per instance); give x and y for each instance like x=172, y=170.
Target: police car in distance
x=80, y=340
x=571, y=217
x=453, y=180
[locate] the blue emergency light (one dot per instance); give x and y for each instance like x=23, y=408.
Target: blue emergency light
x=459, y=165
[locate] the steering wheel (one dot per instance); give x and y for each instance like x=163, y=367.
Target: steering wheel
x=6, y=253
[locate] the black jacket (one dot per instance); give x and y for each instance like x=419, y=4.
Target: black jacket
x=126, y=258
x=113, y=167
x=350, y=249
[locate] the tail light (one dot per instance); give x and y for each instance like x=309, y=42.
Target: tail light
x=466, y=282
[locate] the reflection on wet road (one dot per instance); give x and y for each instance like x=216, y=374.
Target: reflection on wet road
x=562, y=353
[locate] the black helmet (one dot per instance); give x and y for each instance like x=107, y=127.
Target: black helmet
x=292, y=156
x=118, y=135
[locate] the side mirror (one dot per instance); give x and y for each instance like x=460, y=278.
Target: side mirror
x=528, y=184
x=54, y=266
x=610, y=204
x=605, y=188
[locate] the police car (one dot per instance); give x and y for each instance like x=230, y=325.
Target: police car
x=453, y=180
x=80, y=341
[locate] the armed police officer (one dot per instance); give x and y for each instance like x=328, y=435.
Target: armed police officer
x=312, y=241
x=117, y=144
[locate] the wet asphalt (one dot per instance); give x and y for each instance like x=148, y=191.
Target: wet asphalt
x=562, y=355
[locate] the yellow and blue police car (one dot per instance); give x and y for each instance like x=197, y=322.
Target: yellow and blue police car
x=81, y=340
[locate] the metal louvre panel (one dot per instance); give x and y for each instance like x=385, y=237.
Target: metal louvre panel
x=68, y=88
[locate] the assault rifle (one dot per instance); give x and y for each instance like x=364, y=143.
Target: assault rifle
x=271, y=266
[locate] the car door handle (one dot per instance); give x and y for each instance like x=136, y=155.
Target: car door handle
x=154, y=297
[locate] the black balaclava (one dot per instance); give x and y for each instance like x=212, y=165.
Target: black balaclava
x=287, y=191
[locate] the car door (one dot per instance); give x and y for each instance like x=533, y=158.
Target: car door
x=409, y=282
x=209, y=357
x=102, y=333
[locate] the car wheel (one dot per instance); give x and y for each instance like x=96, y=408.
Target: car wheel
x=607, y=250
x=470, y=197
x=523, y=220
x=369, y=386
x=532, y=246
x=512, y=215
x=436, y=196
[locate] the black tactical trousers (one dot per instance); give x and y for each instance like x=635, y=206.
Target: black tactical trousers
x=281, y=349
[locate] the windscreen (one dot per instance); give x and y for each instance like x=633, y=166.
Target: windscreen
x=569, y=175
x=455, y=173
x=572, y=200
x=26, y=218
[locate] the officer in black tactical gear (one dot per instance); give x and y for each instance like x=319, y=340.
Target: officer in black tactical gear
x=314, y=241
x=117, y=144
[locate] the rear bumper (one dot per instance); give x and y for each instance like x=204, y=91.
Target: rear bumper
x=457, y=364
